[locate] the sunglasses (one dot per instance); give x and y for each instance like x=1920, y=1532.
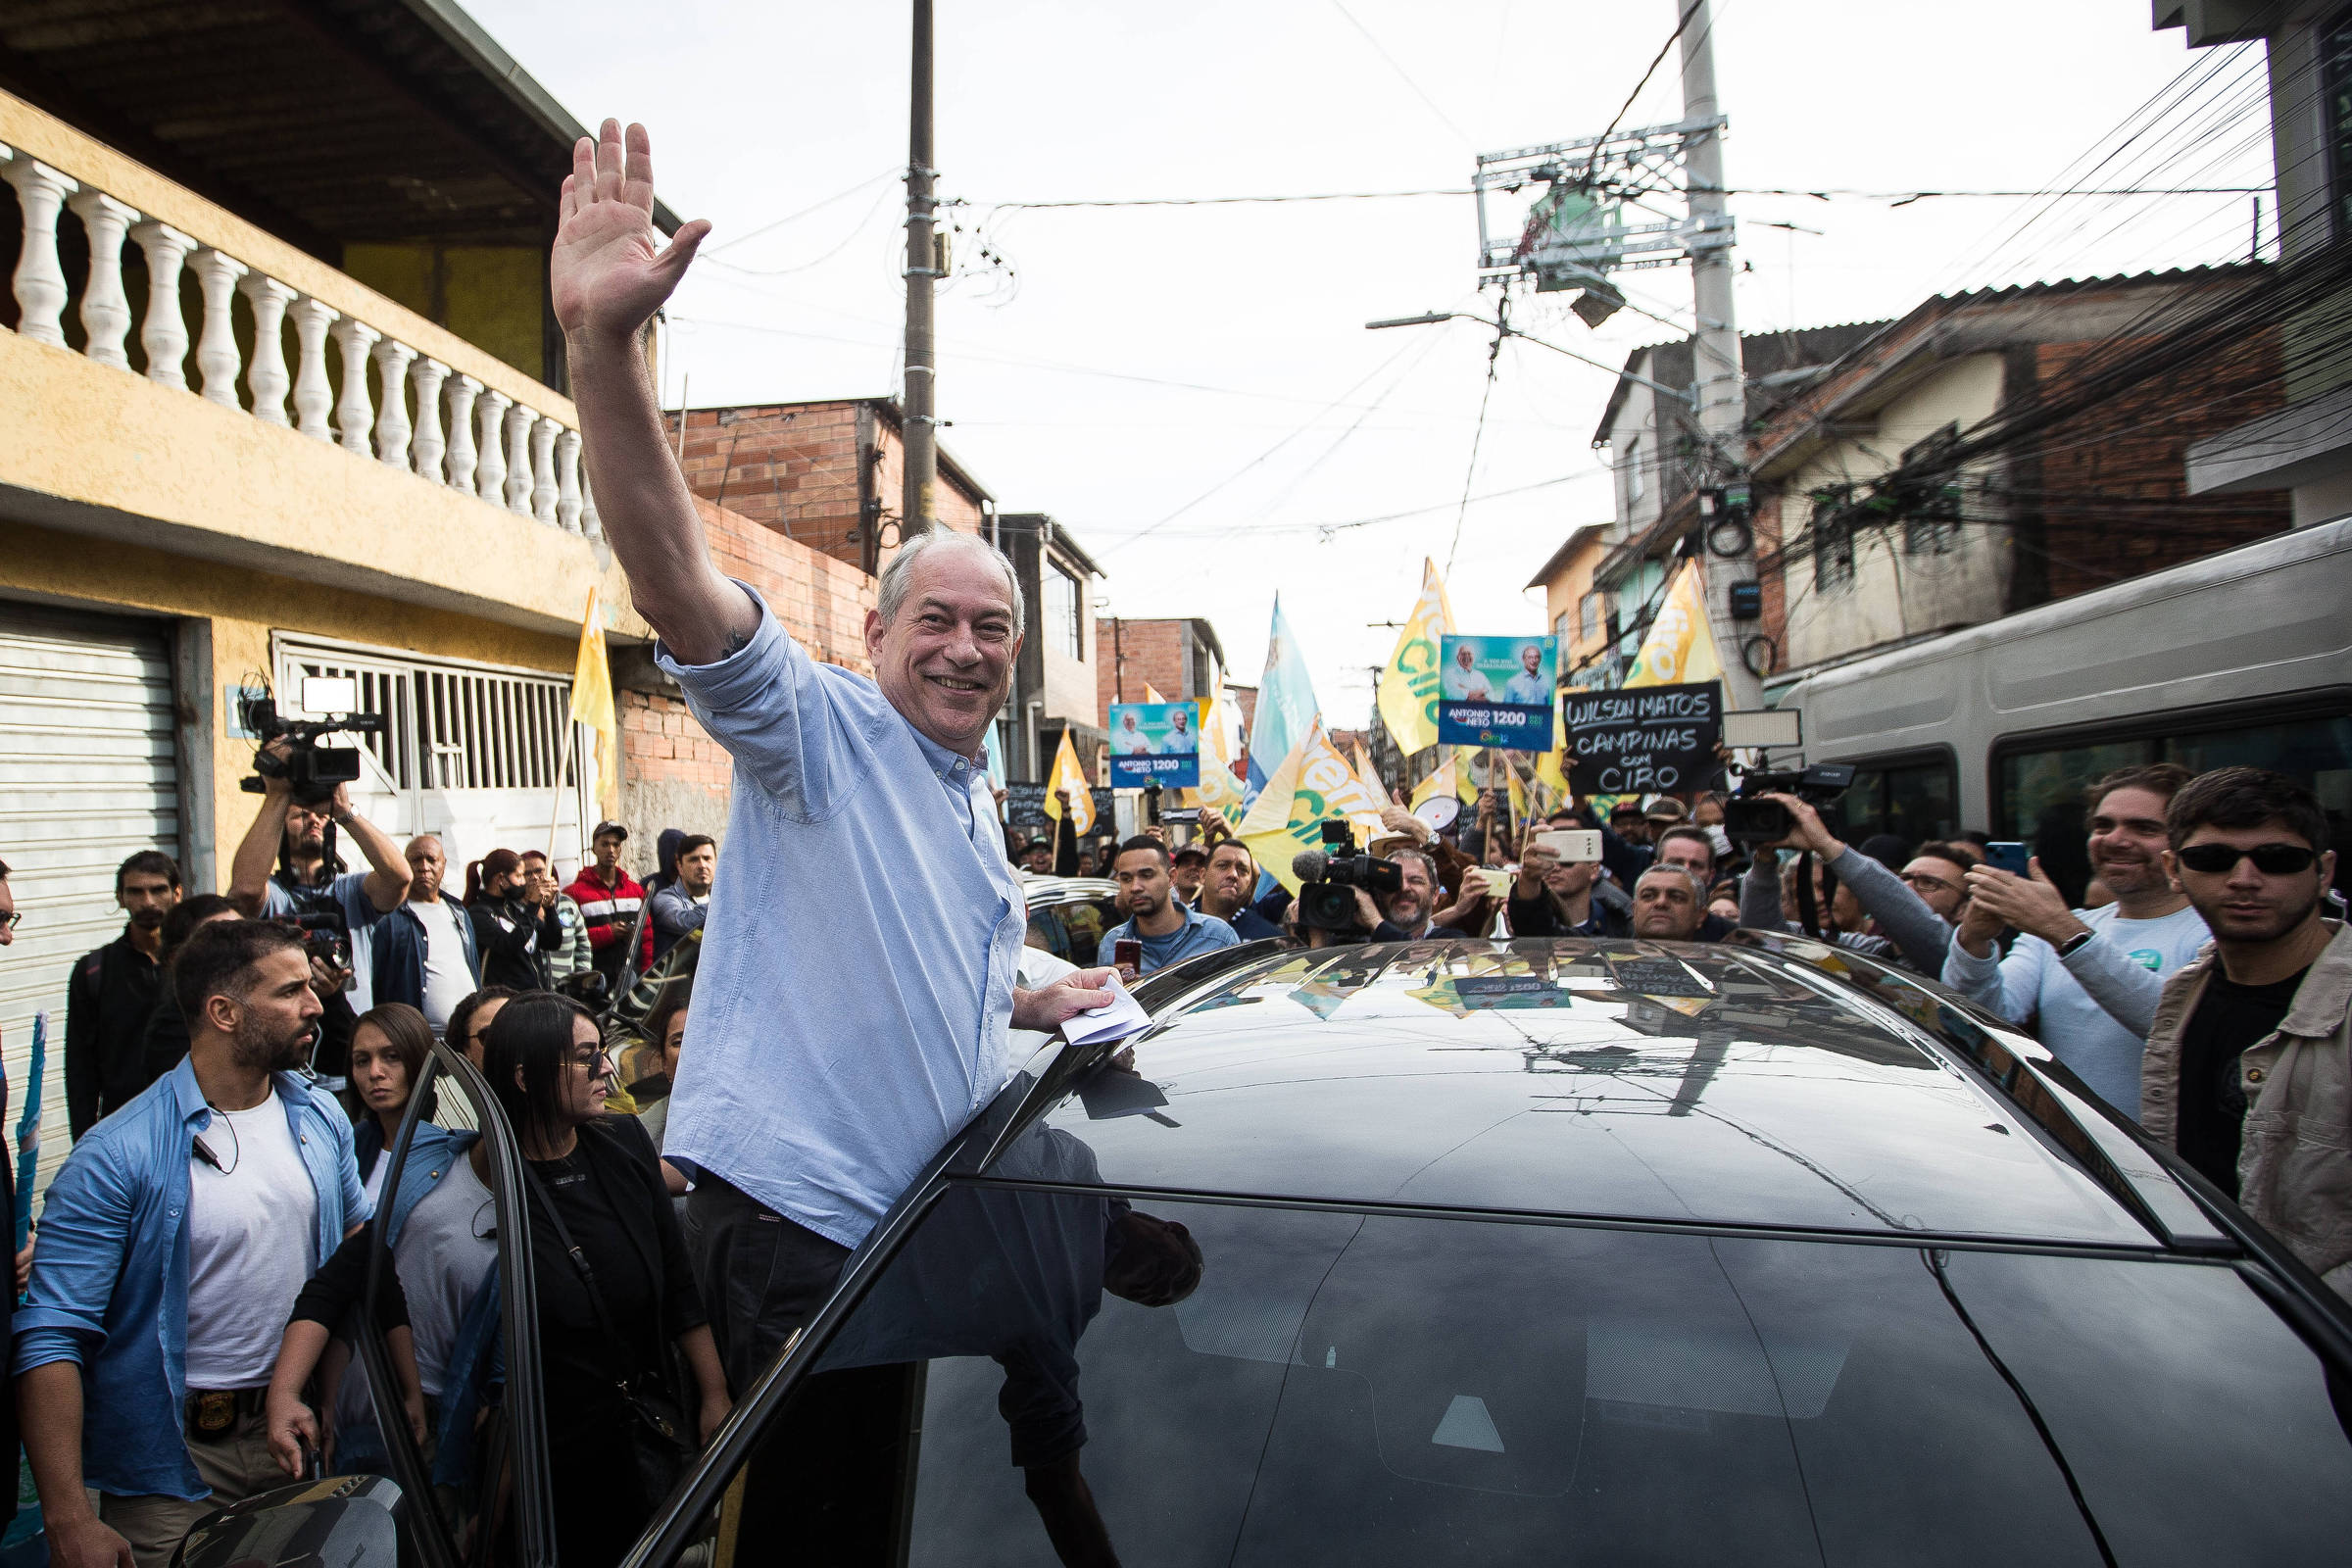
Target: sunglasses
x=2271, y=860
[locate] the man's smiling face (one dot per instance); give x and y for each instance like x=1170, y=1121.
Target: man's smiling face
x=946, y=660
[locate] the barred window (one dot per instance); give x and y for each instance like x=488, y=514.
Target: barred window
x=1833, y=540
x=446, y=726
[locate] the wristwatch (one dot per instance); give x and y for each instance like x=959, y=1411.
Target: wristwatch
x=2067, y=948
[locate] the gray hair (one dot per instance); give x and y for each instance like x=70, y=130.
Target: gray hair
x=1428, y=863
x=1698, y=889
x=892, y=594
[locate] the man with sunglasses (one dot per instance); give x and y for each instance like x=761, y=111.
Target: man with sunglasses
x=2249, y=1067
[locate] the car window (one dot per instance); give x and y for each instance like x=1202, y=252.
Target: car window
x=1048, y=933
x=442, y=1231
x=1180, y=1382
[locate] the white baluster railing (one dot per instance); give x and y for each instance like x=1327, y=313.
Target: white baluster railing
x=39, y=280
x=164, y=334
x=462, y=390
x=266, y=377
x=105, y=308
x=518, y=459
x=314, y=389
x=467, y=435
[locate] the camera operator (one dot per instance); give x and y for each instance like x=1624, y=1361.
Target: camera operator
x=309, y=884
x=1915, y=932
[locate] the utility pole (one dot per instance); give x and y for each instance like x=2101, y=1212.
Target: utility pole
x=1721, y=391
x=921, y=478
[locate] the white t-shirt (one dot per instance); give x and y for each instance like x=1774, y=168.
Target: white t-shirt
x=446, y=981
x=250, y=1233
x=445, y=1251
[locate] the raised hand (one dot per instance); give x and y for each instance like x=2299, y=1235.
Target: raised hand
x=610, y=271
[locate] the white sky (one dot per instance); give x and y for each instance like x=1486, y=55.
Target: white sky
x=1061, y=388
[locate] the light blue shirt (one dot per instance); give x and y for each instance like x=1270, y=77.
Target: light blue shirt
x=110, y=1275
x=1527, y=690
x=1200, y=933
x=854, y=992
x=2095, y=1007
x=349, y=892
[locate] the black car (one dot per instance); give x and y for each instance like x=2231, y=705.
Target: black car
x=1539, y=1250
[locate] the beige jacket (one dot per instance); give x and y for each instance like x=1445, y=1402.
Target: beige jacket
x=2294, y=1169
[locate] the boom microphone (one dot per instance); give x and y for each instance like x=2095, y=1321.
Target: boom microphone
x=1308, y=865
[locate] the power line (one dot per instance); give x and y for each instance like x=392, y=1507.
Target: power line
x=1427, y=101
x=1682, y=20
x=794, y=218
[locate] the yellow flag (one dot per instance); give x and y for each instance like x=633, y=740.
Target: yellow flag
x=1518, y=793
x=1367, y=774
x=1551, y=767
x=591, y=704
x=1439, y=782
x=1313, y=783
x=1409, y=686
x=1219, y=790
x=1067, y=775
x=1680, y=647
x=1151, y=692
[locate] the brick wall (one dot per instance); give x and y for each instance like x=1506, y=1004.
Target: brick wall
x=792, y=468
x=2109, y=487
x=1146, y=651
x=673, y=774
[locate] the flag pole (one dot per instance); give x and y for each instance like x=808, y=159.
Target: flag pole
x=555, y=817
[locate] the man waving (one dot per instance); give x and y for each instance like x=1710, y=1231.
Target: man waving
x=837, y=1042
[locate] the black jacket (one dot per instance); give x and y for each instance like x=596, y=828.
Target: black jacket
x=507, y=934
x=108, y=999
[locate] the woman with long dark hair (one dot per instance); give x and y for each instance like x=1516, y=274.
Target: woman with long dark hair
x=618, y=1312
x=387, y=1056
x=506, y=929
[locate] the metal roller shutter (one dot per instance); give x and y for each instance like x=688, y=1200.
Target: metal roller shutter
x=88, y=775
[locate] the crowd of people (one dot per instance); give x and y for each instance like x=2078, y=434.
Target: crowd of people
x=803, y=1034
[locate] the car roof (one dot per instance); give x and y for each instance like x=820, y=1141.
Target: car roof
x=1044, y=890
x=1680, y=1083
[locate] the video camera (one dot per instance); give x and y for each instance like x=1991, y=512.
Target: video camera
x=1330, y=876
x=1751, y=821
x=315, y=771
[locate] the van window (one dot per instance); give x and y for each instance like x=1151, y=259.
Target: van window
x=1914, y=801
x=2040, y=800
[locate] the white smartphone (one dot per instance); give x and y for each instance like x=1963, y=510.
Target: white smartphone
x=1570, y=845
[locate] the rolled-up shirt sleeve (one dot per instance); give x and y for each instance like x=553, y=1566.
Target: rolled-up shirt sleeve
x=767, y=705
x=85, y=1234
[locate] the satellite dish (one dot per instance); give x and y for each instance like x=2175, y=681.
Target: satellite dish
x=1439, y=811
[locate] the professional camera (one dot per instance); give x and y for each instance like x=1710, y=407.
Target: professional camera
x=315, y=771
x=325, y=933
x=1752, y=821
x=1330, y=876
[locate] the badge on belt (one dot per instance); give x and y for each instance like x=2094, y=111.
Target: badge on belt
x=216, y=1412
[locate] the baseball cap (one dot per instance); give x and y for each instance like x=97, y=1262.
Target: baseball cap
x=1191, y=852
x=614, y=830
x=1625, y=808
x=1666, y=809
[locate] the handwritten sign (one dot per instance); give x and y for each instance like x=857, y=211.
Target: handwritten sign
x=1025, y=805
x=1645, y=740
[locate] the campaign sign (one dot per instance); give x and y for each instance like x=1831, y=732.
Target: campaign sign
x=1155, y=743
x=1497, y=691
x=1025, y=805
x=1645, y=740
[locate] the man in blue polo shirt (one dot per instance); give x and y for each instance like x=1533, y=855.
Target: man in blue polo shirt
x=1156, y=918
x=173, y=1245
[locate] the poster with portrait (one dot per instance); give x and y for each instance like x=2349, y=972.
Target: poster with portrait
x=1155, y=743
x=1497, y=691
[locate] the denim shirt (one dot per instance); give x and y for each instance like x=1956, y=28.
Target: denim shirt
x=853, y=1001
x=110, y=1277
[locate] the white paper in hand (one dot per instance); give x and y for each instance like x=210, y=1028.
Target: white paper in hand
x=1122, y=1016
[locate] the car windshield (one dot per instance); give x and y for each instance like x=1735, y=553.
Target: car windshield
x=1049, y=1374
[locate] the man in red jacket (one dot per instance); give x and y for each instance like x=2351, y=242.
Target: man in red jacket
x=609, y=899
